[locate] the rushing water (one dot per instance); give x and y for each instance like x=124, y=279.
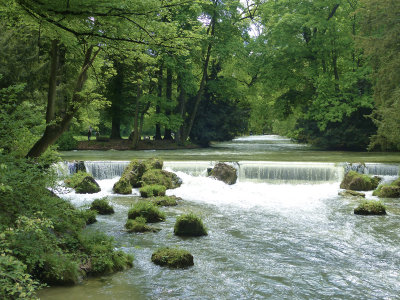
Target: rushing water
x=281, y=232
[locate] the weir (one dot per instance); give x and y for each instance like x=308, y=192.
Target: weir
x=254, y=171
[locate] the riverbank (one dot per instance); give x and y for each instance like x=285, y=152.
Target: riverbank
x=127, y=145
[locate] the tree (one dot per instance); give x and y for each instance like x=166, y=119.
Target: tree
x=380, y=38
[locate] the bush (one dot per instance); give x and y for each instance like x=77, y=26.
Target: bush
x=15, y=283
x=67, y=142
x=370, y=208
x=152, y=190
x=139, y=225
x=165, y=200
x=102, y=206
x=148, y=211
x=101, y=255
x=189, y=225
x=172, y=257
x=90, y=216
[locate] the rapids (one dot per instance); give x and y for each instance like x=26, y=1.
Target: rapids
x=280, y=232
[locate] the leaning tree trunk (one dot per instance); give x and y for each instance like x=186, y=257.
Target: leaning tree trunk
x=54, y=131
x=200, y=92
x=52, y=92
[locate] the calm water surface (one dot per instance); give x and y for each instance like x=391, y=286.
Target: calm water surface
x=282, y=236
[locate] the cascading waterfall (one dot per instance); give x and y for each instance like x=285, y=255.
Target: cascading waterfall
x=373, y=169
x=106, y=169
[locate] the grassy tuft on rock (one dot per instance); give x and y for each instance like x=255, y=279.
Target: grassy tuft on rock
x=172, y=257
x=165, y=200
x=189, y=225
x=370, y=207
x=359, y=182
x=102, y=206
x=139, y=225
x=150, y=212
x=388, y=190
x=152, y=191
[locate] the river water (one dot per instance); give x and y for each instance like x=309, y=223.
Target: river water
x=281, y=232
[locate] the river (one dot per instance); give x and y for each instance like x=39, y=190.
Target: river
x=281, y=232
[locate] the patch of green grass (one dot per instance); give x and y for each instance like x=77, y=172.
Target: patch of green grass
x=152, y=190
x=370, y=207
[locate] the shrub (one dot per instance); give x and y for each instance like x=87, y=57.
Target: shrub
x=102, y=206
x=67, y=142
x=139, y=225
x=152, y=190
x=165, y=200
x=189, y=225
x=148, y=211
x=15, y=283
x=90, y=216
x=101, y=255
x=172, y=257
x=370, y=208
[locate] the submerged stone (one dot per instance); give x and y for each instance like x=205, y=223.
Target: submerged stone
x=172, y=257
x=350, y=193
x=165, y=200
x=161, y=177
x=139, y=225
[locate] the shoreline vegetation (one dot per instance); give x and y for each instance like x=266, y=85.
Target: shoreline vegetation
x=126, y=144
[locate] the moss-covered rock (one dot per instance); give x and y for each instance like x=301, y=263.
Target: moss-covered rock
x=359, y=182
x=370, y=207
x=161, y=177
x=152, y=191
x=139, y=225
x=87, y=186
x=172, y=257
x=388, y=190
x=102, y=206
x=132, y=175
x=83, y=183
x=224, y=172
x=350, y=193
x=189, y=225
x=165, y=200
x=147, y=210
x=122, y=186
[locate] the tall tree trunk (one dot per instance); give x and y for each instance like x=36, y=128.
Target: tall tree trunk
x=159, y=94
x=200, y=92
x=116, y=103
x=181, y=109
x=168, y=132
x=54, y=130
x=136, y=133
x=52, y=92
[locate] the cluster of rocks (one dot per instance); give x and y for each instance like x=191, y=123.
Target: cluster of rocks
x=354, y=182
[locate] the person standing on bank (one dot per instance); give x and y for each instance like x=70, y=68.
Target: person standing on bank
x=89, y=134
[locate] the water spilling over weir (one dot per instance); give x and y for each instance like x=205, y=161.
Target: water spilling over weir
x=257, y=171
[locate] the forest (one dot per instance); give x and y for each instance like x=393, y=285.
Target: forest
x=322, y=72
